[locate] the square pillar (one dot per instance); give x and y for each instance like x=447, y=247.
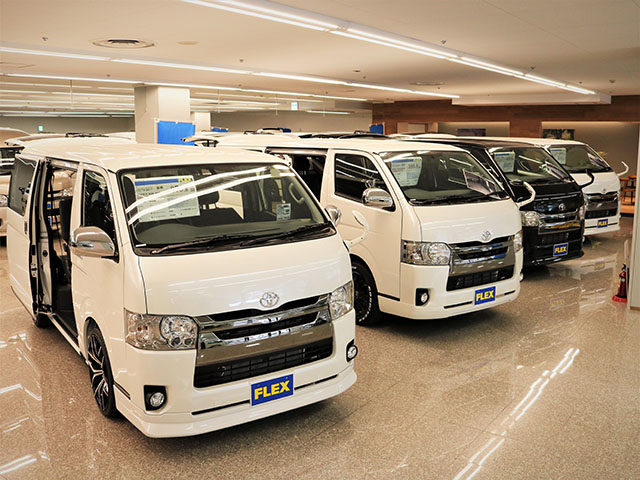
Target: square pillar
x=155, y=103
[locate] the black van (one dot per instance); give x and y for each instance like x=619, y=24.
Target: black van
x=553, y=224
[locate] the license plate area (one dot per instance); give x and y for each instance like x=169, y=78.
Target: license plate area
x=560, y=249
x=603, y=223
x=484, y=295
x=272, y=389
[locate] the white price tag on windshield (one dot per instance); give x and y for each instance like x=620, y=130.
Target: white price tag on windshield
x=407, y=171
x=560, y=154
x=505, y=160
x=159, y=198
x=283, y=211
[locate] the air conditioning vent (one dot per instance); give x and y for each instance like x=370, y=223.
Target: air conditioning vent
x=123, y=43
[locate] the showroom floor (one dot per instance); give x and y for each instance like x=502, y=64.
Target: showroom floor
x=545, y=387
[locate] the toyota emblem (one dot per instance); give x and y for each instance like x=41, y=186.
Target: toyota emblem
x=486, y=236
x=269, y=299
x=562, y=207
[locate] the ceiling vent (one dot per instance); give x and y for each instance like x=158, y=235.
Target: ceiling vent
x=123, y=43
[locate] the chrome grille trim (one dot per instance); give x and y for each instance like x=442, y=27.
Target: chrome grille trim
x=488, y=256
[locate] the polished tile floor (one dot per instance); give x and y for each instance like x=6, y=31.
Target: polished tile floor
x=547, y=387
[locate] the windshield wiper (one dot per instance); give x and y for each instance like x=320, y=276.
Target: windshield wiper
x=203, y=242
x=287, y=234
x=453, y=198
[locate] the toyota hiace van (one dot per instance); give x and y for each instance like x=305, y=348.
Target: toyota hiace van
x=204, y=288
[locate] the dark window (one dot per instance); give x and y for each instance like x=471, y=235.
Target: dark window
x=97, y=210
x=20, y=185
x=354, y=174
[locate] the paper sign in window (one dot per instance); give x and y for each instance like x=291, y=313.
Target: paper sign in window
x=560, y=154
x=505, y=160
x=164, y=198
x=407, y=171
x=283, y=211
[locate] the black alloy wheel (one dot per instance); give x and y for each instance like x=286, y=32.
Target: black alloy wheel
x=365, y=295
x=100, y=373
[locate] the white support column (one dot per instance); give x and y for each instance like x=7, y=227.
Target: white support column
x=202, y=121
x=154, y=103
x=633, y=292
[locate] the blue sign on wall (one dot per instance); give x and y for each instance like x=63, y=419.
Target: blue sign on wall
x=173, y=132
x=377, y=128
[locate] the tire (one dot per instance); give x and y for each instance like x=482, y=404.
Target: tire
x=365, y=295
x=100, y=373
x=41, y=320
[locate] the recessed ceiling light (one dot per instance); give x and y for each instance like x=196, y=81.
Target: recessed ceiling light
x=128, y=43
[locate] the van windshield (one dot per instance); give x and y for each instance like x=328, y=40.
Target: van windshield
x=579, y=158
x=187, y=208
x=430, y=177
x=529, y=164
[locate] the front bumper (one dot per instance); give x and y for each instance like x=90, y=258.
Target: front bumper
x=191, y=411
x=539, y=247
x=442, y=302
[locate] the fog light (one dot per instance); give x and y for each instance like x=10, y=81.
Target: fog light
x=352, y=350
x=156, y=400
x=154, y=397
x=422, y=296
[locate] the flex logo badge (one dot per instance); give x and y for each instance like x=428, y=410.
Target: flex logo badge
x=273, y=389
x=603, y=223
x=484, y=295
x=560, y=249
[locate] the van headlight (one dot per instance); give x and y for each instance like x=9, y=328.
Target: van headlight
x=530, y=219
x=341, y=300
x=581, y=211
x=4, y=200
x=517, y=241
x=160, y=332
x=426, y=253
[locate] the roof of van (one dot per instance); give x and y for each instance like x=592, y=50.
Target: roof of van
x=480, y=142
x=367, y=145
x=115, y=154
x=538, y=141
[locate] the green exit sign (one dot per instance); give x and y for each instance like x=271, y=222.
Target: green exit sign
x=40, y=128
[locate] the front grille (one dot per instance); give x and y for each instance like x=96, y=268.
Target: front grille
x=257, y=329
x=226, y=372
x=601, y=213
x=479, y=278
x=562, y=237
x=604, y=197
x=483, y=254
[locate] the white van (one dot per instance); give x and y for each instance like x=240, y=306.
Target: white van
x=584, y=164
x=204, y=288
x=445, y=237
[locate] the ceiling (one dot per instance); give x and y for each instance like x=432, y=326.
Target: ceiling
x=592, y=44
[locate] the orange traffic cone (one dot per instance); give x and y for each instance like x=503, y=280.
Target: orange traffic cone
x=621, y=296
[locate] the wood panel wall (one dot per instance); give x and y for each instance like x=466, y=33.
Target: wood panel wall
x=524, y=121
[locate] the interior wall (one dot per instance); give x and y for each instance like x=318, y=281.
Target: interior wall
x=494, y=129
x=617, y=141
x=68, y=124
x=296, y=121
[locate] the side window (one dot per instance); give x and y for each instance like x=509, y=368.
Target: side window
x=354, y=174
x=20, y=185
x=96, y=208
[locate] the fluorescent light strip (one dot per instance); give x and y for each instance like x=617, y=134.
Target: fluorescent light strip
x=540, y=80
x=550, y=82
x=89, y=94
x=22, y=91
x=584, y=91
x=56, y=77
x=301, y=77
x=464, y=62
x=402, y=90
x=255, y=14
x=55, y=85
x=490, y=65
x=386, y=44
x=179, y=65
x=276, y=12
x=388, y=40
x=328, y=112
x=52, y=54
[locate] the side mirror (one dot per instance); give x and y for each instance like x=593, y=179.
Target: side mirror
x=91, y=242
x=376, y=197
x=334, y=214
